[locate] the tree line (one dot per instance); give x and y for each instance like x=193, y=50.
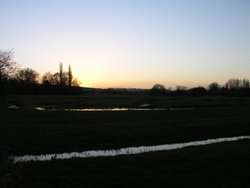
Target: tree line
x=14, y=79
x=10, y=70
x=233, y=87
x=60, y=78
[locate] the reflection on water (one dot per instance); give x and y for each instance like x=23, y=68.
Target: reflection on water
x=107, y=109
x=124, y=151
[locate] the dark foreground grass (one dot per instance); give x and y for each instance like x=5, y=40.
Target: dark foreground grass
x=109, y=101
x=27, y=131
x=219, y=165
x=35, y=132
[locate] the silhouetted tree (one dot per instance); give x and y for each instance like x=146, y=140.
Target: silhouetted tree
x=70, y=76
x=197, y=91
x=233, y=83
x=7, y=64
x=237, y=83
x=65, y=79
x=75, y=82
x=27, y=75
x=52, y=79
x=56, y=79
x=47, y=78
x=63, y=76
x=245, y=83
x=25, y=81
x=182, y=88
x=158, y=89
x=214, y=88
x=61, y=73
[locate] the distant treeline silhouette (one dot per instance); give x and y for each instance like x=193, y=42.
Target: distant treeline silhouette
x=233, y=87
x=14, y=80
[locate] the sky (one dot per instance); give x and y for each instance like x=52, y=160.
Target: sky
x=131, y=43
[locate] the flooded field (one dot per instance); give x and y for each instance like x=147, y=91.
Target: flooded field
x=73, y=141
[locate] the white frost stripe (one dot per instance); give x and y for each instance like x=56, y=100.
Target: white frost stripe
x=123, y=151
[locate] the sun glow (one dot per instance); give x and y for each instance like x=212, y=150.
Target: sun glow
x=131, y=44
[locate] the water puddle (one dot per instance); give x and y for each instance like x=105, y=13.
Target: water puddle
x=124, y=151
x=108, y=109
x=13, y=107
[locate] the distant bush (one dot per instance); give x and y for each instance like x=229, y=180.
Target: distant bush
x=197, y=91
x=214, y=88
x=158, y=89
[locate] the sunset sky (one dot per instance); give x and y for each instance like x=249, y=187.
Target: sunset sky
x=131, y=43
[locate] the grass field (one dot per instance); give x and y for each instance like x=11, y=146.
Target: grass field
x=26, y=131
x=219, y=165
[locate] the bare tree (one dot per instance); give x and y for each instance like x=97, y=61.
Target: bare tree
x=27, y=75
x=61, y=73
x=70, y=76
x=7, y=64
x=181, y=88
x=56, y=79
x=245, y=83
x=233, y=83
x=47, y=78
x=213, y=86
x=76, y=82
x=237, y=83
x=158, y=89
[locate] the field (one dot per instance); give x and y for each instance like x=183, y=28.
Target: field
x=28, y=131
